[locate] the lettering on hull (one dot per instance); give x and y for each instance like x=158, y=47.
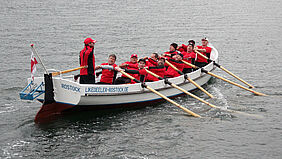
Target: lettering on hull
x=70, y=87
x=106, y=89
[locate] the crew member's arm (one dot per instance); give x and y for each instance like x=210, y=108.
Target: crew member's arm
x=109, y=67
x=153, y=61
x=206, y=50
x=155, y=67
x=131, y=71
x=133, y=65
x=174, y=61
x=123, y=65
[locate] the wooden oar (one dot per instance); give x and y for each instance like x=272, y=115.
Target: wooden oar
x=226, y=80
x=189, y=79
x=200, y=99
x=66, y=71
x=161, y=95
x=224, y=69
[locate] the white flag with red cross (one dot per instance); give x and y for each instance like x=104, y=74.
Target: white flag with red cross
x=33, y=65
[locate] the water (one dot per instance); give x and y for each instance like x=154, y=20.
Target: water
x=247, y=35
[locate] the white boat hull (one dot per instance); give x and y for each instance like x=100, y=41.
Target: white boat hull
x=69, y=94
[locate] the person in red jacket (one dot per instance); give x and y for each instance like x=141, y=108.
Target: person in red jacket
x=140, y=74
x=176, y=61
x=183, y=47
x=133, y=65
x=205, y=50
x=108, y=73
x=159, y=70
x=152, y=60
x=172, y=50
x=87, y=58
x=189, y=57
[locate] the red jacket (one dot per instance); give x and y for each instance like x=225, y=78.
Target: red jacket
x=131, y=66
x=157, y=70
x=170, y=72
x=189, y=57
x=182, y=48
x=207, y=53
x=87, y=57
x=151, y=62
x=108, y=75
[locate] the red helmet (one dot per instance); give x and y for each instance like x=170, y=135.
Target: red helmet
x=89, y=40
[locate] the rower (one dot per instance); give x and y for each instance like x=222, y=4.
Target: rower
x=176, y=61
x=172, y=50
x=183, y=47
x=133, y=65
x=139, y=74
x=189, y=57
x=108, y=73
x=205, y=50
x=152, y=60
x=159, y=70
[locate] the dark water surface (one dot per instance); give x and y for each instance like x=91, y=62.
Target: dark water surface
x=247, y=35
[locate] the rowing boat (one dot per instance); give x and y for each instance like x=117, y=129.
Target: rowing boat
x=62, y=94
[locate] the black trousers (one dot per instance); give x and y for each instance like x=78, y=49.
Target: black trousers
x=201, y=64
x=87, y=79
x=122, y=80
x=187, y=70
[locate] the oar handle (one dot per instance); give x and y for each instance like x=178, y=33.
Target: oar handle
x=66, y=71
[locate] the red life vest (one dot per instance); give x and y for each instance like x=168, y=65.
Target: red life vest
x=199, y=57
x=107, y=75
x=87, y=58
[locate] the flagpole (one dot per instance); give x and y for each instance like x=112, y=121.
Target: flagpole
x=33, y=50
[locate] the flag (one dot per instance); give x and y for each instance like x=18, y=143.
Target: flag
x=33, y=65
